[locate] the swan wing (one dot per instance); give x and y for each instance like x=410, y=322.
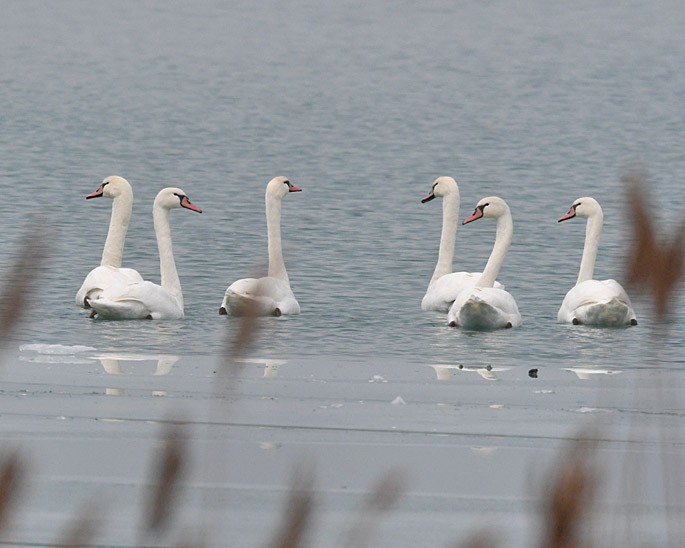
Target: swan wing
x=133, y=301
x=266, y=296
x=442, y=292
x=484, y=308
x=594, y=302
x=102, y=277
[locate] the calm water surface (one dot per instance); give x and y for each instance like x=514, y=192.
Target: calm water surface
x=362, y=106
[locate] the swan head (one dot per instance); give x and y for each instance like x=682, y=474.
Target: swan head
x=112, y=187
x=280, y=186
x=172, y=197
x=442, y=186
x=492, y=207
x=583, y=207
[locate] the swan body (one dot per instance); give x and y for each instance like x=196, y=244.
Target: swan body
x=110, y=272
x=267, y=296
x=270, y=295
x=486, y=307
x=143, y=299
x=592, y=302
x=445, y=285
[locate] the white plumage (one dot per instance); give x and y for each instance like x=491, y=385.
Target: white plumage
x=270, y=295
x=110, y=272
x=143, y=299
x=445, y=285
x=592, y=302
x=486, y=307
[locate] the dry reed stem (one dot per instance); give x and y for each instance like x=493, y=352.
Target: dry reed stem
x=82, y=530
x=480, y=540
x=11, y=480
x=189, y=541
x=168, y=471
x=652, y=266
x=298, y=512
x=382, y=498
x=570, y=497
x=240, y=344
x=20, y=281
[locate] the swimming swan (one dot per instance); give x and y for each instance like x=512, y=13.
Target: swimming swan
x=110, y=272
x=592, y=302
x=445, y=285
x=485, y=306
x=147, y=300
x=270, y=295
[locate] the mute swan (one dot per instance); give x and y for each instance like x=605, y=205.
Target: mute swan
x=593, y=302
x=270, y=295
x=110, y=272
x=445, y=285
x=486, y=306
x=147, y=300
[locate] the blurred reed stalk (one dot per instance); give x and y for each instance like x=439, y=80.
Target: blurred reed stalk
x=382, y=498
x=298, y=512
x=21, y=281
x=570, y=497
x=12, y=475
x=82, y=529
x=167, y=471
x=655, y=266
x=17, y=288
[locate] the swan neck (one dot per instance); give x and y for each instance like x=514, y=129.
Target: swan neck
x=118, y=226
x=167, y=265
x=273, y=228
x=593, y=231
x=503, y=236
x=450, y=219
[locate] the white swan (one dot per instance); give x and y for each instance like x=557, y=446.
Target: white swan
x=110, y=272
x=486, y=306
x=445, y=285
x=147, y=300
x=270, y=295
x=593, y=302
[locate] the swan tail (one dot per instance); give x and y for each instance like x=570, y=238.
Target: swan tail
x=615, y=313
x=479, y=315
x=237, y=304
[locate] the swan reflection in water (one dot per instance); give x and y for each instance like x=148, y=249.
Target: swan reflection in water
x=271, y=366
x=488, y=372
x=111, y=363
x=586, y=373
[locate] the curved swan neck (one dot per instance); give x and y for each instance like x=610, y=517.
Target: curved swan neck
x=273, y=229
x=167, y=265
x=118, y=226
x=593, y=231
x=450, y=218
x=503, y=236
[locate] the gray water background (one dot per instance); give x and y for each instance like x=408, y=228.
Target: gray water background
x=363, y=105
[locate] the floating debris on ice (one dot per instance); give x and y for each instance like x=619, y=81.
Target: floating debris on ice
x=585, y=373
x=378, y=378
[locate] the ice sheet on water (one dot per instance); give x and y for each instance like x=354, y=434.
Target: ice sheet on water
x=55, y=349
